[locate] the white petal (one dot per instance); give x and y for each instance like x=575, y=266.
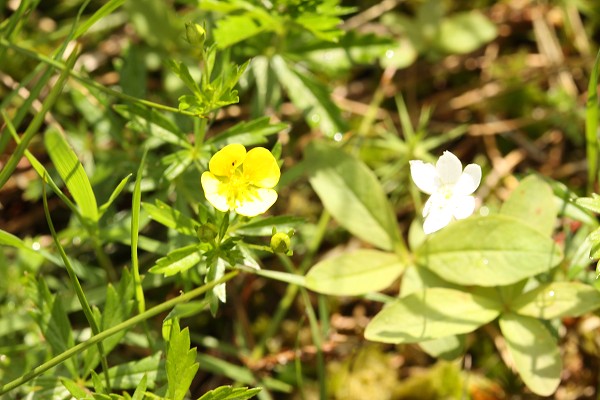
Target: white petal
x=256, y=201
x=424, y=176
x=463, y=206
x=469, y=180
x=448, y=168
x=437, y=219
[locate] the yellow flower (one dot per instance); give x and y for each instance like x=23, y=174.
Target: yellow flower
x=241, y=181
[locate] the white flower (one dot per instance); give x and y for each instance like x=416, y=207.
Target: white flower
x=450, y=188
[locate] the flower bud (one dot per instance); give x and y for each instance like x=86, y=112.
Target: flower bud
x=282, y=243
x=195, y=34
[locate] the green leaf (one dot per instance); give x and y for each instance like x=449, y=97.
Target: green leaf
x=169, y=217
x=533, y=203
x=235, y=28
x=247, y=133
x=590, y=203
x=230, y=393
x=72, y=173
x=534, y=352
x=140, y=390
x=359, y=272
x=465, y=32
x=8, y=239
x=114, y=195
x=77, y=391
x=352, y=194
x=556, y=300
x=149, y=121
x=181, y=363
x=311, y=97
x=177, y=261
x=101, y=13
x=447, y=347
x=591, y=126
x=264, y=226
x=431, y=314
x=129, y=375
x=488, y=251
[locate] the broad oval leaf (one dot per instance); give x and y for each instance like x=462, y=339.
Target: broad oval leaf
x=431, y=314
x=352, y=194
x=557, y=299
x=533, y=203
x=488, y=251
x=72, y=173
x=534, y=352
x=350, y=274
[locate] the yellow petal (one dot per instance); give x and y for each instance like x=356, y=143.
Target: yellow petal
x=226, y=160
x=260, y=168
x=215, y=191
x=255, y=201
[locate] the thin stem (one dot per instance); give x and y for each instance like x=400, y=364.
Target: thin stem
x=60, y=66
x=85, y=306
x=154, y=311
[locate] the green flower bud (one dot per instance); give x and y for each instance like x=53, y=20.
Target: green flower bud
x=282, y=243
x=195, y=34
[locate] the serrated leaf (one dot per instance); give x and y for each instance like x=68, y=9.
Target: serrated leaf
x=355, y=273
x=181, y=363
x=177, y=261
x=72, y=173
x=170, y=217
x=488, y=251
x=534, y=352
x=362, y=208
x=556, y=300
x=533, y=203
x=431, y=314
x=311, y=97
x=230, y=393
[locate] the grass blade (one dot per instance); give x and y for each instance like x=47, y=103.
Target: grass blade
x=591, y=126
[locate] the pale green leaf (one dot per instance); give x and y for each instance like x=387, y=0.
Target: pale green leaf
x=533, y=203
x=311, y=97
x=352, y=194
x=590, y=203
x=355, y=273
x=465, y=32
x=140, y=390
x=77, y=391
x=556, y=300
x=447, y=347
x=72, y=173
x=534, y=352
x=236, y=28
x=431, y=314
x=101, y=13
x=488, y=251
x=129, y=375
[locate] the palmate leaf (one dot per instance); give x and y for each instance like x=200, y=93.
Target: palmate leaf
x=181, y=363
x=72, y=173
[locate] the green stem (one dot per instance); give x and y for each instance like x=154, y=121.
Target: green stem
x=85, y=306
x=154, y=311
x=316, y=336
x=60, y=66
